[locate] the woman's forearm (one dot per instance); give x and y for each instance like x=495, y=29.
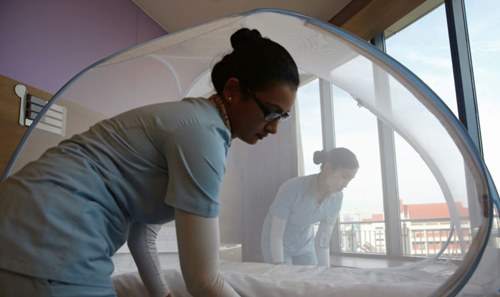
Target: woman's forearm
x=142, y=245
x=322, y=244
x=277, y=232
x=199, y=245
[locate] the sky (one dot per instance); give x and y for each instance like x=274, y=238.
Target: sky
x=423, y=47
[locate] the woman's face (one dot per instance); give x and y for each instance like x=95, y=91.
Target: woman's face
x=338, y=179
x=247, y=117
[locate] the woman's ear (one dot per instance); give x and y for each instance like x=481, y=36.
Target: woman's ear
x=231, y=91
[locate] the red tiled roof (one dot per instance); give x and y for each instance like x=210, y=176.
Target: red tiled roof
x=433, y=210
x=375, y=217
x=424, y=211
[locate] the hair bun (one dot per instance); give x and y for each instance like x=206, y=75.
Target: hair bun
x=244, y=36
x=319, y=157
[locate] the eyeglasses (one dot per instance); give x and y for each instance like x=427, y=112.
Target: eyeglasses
x=268, y=115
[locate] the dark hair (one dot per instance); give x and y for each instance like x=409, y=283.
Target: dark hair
x=257, y=62
x=337, y=157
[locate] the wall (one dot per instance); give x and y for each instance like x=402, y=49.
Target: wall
x=45, y=43
x=39, y=140
x=10, y=130
x=261, y=170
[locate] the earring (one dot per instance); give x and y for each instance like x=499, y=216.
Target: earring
x=229, y=99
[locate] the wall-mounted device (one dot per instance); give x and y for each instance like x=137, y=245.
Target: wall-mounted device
x=54, y=120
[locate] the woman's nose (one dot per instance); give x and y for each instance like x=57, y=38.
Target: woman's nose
x=272, y=127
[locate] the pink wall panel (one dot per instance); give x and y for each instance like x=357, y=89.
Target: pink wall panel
x=46, y=43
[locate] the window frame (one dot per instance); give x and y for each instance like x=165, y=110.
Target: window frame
x=468, y=115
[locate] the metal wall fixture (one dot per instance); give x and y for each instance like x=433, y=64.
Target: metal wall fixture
x=54, y=120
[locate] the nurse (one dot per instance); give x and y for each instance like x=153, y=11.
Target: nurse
x=64, y=215
x=288, y=233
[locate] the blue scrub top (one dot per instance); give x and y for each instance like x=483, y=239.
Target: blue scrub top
x=296, y=202
x=65, y=215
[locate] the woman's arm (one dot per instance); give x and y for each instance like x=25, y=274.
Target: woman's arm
x=322, y=243
x=277, y=232
x=280, y=211
x=142, y=245
x=199, y=245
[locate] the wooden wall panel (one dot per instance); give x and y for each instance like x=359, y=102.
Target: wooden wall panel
x=350, y=10
x=368, y=18
x=10, y=130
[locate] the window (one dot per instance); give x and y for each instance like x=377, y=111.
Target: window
x=423, y=209
x=309, y=115
x=483, y=19
x=424, y=48
x=424, y=217
x=361, y=218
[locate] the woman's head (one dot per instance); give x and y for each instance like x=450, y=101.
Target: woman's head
x=258, y=78
x=339, y=166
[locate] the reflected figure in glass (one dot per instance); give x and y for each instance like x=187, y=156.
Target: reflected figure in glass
x=288, y=235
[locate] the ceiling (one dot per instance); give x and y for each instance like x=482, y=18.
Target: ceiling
x=175, y=15
x=364, y=18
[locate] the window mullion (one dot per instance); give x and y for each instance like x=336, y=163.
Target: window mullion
x=465, y=88
x=328, y=130
x=462, y=69
x=327, y=116
x=388, y=162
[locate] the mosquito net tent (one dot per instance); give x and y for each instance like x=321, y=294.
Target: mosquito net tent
x=178, y=66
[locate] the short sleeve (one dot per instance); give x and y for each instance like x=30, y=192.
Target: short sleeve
x=283, y=203
x=196, y=158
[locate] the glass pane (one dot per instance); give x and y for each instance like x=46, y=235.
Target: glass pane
x=424, y=48
x=424, y=213
x=362, y=228
x=309, y=110
x=483, y=18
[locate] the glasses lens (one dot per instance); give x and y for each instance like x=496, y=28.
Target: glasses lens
x=273, y=116
x=276, y=116
x=284, y=117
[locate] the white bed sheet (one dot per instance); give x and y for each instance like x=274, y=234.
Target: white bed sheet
x=257, y=279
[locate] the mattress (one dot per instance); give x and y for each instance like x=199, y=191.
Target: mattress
x=257, y=279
